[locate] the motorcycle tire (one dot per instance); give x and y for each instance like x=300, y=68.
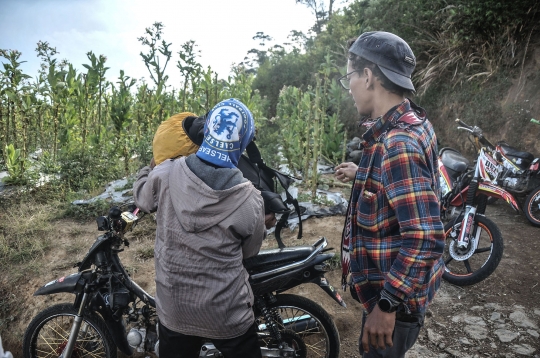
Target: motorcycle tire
x=483, y=261
x=302, y=319
x=48, y=333
x=531, y=207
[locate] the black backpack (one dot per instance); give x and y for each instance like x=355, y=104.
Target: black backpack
x=264, y=178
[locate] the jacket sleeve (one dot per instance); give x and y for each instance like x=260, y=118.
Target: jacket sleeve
x=251, y=244
x=407, y=181
x=146, y=190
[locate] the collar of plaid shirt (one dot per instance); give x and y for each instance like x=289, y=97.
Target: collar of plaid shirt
x=394, y=118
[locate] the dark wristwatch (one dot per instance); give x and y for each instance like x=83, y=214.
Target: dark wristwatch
x=386, y=305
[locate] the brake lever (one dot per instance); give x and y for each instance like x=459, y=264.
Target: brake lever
x=478, y=132
x=467, y=129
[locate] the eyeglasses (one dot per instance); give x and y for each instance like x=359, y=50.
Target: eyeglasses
x=345, y=80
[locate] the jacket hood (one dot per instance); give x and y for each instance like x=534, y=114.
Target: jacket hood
x=198, y=206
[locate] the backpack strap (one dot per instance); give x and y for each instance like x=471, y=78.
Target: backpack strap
x=255, y=157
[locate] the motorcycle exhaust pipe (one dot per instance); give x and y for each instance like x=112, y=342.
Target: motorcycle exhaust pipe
x=307, y=324
x=298, y=324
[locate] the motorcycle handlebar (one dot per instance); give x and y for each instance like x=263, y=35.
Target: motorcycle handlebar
x=475, y=131
x=461, y=123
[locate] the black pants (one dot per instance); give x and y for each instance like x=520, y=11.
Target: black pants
x=406, y=333
x=177, y=345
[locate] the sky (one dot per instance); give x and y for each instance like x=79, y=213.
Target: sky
x=222, y=29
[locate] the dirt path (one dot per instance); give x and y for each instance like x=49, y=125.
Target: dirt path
x=500, y=317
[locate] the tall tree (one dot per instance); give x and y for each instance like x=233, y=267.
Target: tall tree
x=318, y=8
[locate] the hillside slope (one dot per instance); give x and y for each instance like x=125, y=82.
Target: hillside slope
x=502, y=106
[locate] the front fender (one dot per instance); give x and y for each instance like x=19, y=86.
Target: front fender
x=497, y=192
x=73, y=283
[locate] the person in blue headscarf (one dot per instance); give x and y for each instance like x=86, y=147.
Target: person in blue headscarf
x=209, y=218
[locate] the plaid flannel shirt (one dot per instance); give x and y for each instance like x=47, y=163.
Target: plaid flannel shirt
x=393, y=231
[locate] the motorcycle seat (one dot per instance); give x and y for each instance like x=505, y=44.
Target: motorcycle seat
x=453, y=160
x=514, y=152
x=269, y=259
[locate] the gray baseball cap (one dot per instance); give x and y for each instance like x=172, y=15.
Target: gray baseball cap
x=390, y=52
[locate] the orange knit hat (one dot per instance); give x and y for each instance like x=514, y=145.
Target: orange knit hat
x=171, y=139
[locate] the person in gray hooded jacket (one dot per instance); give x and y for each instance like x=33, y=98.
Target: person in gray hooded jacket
x=209, y=218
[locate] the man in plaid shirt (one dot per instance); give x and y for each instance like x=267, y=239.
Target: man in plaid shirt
x=393, y=238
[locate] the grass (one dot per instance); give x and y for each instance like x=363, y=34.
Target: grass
x=319, y=199
x=145, y=230
x=87, y=211
x=473, y=102
x=145, y=253
x=25, y=232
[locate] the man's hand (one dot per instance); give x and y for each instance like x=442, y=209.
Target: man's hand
x=345, y=172
x=378, y=329
x=270, y=220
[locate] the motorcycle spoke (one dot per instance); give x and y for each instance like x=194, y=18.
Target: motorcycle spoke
x=449, y=260
x=315, y=339
x=64, y=333
x=50, y=354
x=314, y=348
x=468, y=266
x=484, y=249
x=55, y=333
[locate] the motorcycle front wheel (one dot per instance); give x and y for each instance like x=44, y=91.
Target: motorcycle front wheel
x=305, y=326
x=531, y=208
x=463, y=268
x=48, y=334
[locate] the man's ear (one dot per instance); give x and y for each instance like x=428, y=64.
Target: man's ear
x=369, y=78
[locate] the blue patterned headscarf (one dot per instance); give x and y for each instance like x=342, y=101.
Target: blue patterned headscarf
x=229, y=128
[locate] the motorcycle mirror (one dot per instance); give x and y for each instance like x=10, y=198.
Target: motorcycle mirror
x=103, y=223
x=115, y=213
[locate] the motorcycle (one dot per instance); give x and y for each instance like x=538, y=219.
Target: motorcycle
x=519, y=174
x=110, y=311
x=474, y=244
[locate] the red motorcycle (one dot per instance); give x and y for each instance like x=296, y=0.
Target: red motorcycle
x=474, y=244
x=520, y=175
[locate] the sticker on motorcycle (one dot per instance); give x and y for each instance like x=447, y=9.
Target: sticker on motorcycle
x=489, y=169
x=444, y=180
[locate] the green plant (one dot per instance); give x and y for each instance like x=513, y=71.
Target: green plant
x=86, y=211
x=16, y=166
x=335, y=262
x=310, y=132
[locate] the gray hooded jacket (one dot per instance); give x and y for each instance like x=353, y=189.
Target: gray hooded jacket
x=208, y=220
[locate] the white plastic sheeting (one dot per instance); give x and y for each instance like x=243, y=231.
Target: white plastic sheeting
x=116, y=193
